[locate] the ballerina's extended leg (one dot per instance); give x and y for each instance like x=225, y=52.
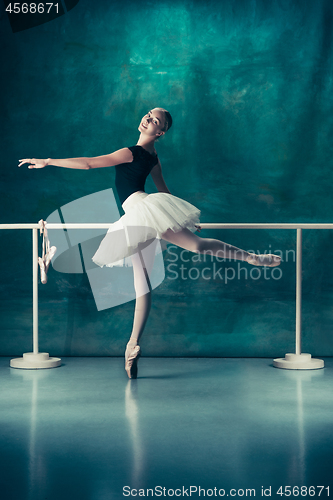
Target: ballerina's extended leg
x=194, y=243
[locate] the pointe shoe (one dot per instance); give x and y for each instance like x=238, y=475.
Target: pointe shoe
x=47, y=253
x=131, y=362
x=269, y=260
x=44, y=263
x=43, y=275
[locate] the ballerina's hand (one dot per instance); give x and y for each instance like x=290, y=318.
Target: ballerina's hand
x=34, y=163
x=198, y=228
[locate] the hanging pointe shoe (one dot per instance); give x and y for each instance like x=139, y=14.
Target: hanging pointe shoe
x=43, y=275
x=269, y=260
x=47, y=253
x=131, y=361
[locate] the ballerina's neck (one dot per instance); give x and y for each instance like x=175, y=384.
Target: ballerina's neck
x=147, y=145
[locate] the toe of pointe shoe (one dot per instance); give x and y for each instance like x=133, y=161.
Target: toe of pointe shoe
x=276, y=260
x=131, y=363
x=269, y=260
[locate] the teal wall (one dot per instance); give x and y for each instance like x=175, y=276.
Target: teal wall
x=249, y=84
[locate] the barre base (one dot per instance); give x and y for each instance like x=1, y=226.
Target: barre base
x=35, y=361
x=298, y=362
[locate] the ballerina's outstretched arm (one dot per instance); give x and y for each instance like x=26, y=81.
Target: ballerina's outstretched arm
x=83, y=163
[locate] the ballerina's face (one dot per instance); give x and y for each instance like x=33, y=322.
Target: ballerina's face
x=153, y=123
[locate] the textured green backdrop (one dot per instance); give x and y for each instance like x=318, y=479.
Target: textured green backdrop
x=249, y=84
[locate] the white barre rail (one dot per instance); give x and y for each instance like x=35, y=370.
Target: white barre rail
x=292, y=361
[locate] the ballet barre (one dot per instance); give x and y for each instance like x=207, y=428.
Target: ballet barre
x=292, y=361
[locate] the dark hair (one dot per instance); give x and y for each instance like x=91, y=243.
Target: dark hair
x=168, y=120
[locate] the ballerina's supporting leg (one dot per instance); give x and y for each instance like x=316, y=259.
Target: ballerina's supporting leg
x=143, y=262
x=194, y=243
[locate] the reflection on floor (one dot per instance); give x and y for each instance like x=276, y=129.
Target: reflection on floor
x=83, y=431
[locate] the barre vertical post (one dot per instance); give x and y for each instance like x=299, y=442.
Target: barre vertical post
x=35, y=360
x=299, y=293
x=298, y=361
x=35, y=289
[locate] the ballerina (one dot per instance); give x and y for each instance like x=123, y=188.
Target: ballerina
x=148, y=218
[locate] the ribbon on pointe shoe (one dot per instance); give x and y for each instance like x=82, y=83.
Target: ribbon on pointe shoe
x=47, y=252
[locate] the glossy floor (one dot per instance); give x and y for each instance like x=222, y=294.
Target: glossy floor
x=83, y=431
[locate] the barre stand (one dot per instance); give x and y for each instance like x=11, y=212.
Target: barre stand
x=35, y=360
x=298, y=361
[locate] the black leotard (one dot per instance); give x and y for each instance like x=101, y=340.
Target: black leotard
x=131, y=177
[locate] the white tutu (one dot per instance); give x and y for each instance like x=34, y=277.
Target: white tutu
x=147, y=217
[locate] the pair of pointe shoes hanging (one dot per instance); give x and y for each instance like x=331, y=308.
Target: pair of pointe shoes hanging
x=47, y=253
